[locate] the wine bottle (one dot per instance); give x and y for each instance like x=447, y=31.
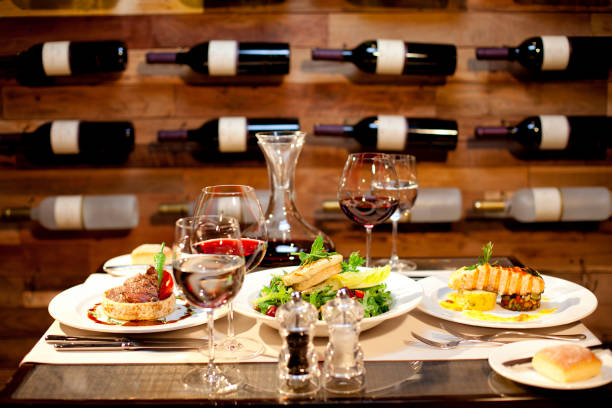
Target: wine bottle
x=96, y=142
x=556, y=132
x=79, y=212
x=180, y=209
x=230, y=134
x=552, y=204
x=556, y=53
x=395, y=57
x=432, y=205
x=66, y=58
x=229, y=58
x=397, y=133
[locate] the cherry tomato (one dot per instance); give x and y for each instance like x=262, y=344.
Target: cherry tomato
x=359, y=293
x=271, y=311
x=167, y=286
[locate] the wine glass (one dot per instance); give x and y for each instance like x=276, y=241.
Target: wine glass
x=368, y=191
x=241, y=203
x=209, y=269
x=405, y=167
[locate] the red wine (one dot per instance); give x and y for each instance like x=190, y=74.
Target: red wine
x=73, y=140
x=368, y=210
x=395, y=57
x=66, y=58
x=579, y=134
x=396, y=133
x=229, y=58
x=230, y=134
x=279, y=252
x=556, y=53
x=254, y=249
x=209, y=281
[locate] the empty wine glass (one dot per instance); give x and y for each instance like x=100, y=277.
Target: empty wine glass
x=241, y=203
x=407, y=187
x=209, y=269
x=368, y=191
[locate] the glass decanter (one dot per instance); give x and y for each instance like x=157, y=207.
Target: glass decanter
x=288, y=232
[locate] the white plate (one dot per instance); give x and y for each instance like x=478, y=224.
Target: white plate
x=573, y=302
x=70, y=307
x=405, y=292
x=126, y=260
x=526, y=374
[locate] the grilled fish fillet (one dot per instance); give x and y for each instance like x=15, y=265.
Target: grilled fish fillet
x=503, y=280
x=315, y=272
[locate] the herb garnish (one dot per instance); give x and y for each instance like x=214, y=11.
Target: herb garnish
x=159, y=260
x=355, y=260
x=483, y=259
x=317, y=251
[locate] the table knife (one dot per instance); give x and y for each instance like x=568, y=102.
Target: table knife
x=182, y=344
x=525, y=360
x=62, y=339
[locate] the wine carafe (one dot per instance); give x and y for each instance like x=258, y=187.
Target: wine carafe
x=288, y=232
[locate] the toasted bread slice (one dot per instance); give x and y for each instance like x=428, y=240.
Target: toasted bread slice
x=318, y=278
x=143, y=254
x=306, y=272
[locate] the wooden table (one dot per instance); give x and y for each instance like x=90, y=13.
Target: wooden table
x=422, y=383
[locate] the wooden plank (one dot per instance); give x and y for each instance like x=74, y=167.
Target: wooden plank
x=463, y=29
x=20, y=8
x=571, y=176
x=539, y=5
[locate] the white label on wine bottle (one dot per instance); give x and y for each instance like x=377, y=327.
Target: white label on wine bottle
x=222, y=58
x=555, y=52
x=547, y=203
x=230, y=206
x=555, y=132
x=68, y=212
x=391, y=57
x=391, y=132
x=65, y=136
x=56, y=58
x=233, y=134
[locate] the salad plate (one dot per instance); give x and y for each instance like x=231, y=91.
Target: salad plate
x=73, y=308
x=526, y=374
x=406, y=295
x=563, y=302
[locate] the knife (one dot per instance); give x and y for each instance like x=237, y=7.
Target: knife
x=130, y=345
x=525, y=360
x=61, y=339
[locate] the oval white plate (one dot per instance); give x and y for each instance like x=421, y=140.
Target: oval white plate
x=127, y=269
x=525, y=374
x=572, y=301
x=70, y=307
x=406, y=295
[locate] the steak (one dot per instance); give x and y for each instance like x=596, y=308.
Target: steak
x=140, y=288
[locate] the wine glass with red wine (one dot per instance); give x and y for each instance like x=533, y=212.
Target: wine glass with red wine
x=240, y=202
x=209, y=269
x=407, y=187
x=368, y=191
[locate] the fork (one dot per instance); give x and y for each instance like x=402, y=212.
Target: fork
x=488, y=337
x=449, y=344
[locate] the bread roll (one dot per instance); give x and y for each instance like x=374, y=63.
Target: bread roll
x=566, y=363
x=143, y=254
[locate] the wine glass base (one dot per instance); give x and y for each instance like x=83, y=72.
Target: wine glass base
x=238, y=349
x=399, y=266
x=216, y=381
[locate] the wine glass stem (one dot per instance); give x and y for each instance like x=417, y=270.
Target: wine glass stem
x=230, y=320
x=211, y=340
x=368, y=244
x=394, y=258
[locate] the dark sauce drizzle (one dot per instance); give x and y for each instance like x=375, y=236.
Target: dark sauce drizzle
x=91, y=315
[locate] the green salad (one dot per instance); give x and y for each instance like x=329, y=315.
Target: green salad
x=366, y=286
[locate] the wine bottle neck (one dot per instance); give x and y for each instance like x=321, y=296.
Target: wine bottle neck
x=166, y=58
x=499, y=53
x=15, y=214
x=333, y=130
x=10, y=139
x=489, y=206
x=326, y=54
x=172, y=135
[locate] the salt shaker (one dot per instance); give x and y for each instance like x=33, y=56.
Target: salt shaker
x=343, y=369
x=298, y=369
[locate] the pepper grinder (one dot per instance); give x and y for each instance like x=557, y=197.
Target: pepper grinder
x=344, y=369
x=298, y=369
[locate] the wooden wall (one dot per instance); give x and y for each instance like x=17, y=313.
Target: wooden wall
x=37, y=264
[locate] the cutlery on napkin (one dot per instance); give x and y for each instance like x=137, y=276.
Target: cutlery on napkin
x=76, y=343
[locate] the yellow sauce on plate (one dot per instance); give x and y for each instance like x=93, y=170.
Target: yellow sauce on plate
x=454, y=302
